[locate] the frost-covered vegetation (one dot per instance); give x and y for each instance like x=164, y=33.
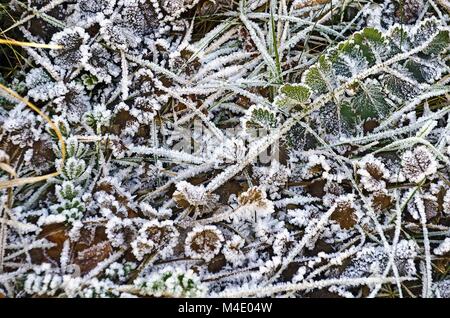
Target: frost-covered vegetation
x=200, y=148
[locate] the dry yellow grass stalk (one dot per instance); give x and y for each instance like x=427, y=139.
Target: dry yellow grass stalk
x=31, y=44
x=6, y=167
x=21, y=181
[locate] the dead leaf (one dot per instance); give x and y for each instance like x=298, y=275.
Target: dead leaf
x=55, y=233
x=89, y=258
x=344, y=214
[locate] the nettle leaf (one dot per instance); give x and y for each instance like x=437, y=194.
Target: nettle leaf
x=370, y=101
x=375, y=96
x=320, y=77
x=372, y=44
x=400, y=88
x=293, y=95
x=439, y=44
x=425, y=70
x=297, y=92
x=358, y=53
x=350, y=64
x=260, y=117
x=424, y=31
x=348, y=115
x=405, y=38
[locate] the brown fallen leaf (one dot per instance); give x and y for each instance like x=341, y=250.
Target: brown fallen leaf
x=55, y=233
x=217, y=263
x=316, y=188
x=89, y=258
x=382, y=201
x=344, y=214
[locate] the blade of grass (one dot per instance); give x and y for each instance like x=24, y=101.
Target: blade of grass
x=21, y=181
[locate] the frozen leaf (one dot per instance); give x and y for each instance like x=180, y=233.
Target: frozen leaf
x=189, y=195
x=41, y=87
x=320, y=77
x=373, y=173
x=260, y=117
x=293, y=95
x=171, y=282
x=345, y=212
x=204, y=242
x=418, y=164
x=370, y=101
x=73, y=43
x=255, y=199
x=89, y=258
x=155, y=236
x=381, y=200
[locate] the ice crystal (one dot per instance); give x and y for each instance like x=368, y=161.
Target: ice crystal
x=210, y=148
x=190, y=195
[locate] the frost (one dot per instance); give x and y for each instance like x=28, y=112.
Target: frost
x=216, y=148
x=204, y=242
x=190, y=195
x=345, y=212
x=70, y=204
x=120, y=272
x=446, y=203
x=273, y=178
x=73, y=43
x=93, y=11
x=316, y=166
x=120, y=231
x=232, y=250
x=373, y=173
x=418, y=164
x=442, y=289
x=21, y=128
x=171, y=282
x=42, y=281
x=443, y=248
x=254, y=200
x=372, y=260
x=74, y=102
x=155, y=236
x=99, y=62
x=41, y=87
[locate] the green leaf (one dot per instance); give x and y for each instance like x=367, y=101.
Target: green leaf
x=439, y=44
x=370, y=101
x=348, y=115
x=400, y=88
x=424, y=70
x=320, y=77
x=373, y=45
x=293, y=95
x=298, y=92
x=372, y=35
x=260, y=117
x=350, y=64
